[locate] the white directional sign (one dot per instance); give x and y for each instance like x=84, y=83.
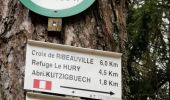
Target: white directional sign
x=73, y=71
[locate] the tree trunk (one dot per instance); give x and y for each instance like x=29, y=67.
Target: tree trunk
x=101, y=27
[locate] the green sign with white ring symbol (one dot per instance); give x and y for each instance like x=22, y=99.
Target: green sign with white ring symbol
x=57, y=8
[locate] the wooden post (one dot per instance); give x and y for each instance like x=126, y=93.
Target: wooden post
x=54, y=24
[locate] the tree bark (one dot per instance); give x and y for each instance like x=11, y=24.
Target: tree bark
x=168, y=69
x=102, y=26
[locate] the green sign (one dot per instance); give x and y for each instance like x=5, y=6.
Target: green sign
x=57, y=8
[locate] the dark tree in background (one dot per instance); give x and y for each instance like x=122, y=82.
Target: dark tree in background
x=102, y=26
x=148, y=64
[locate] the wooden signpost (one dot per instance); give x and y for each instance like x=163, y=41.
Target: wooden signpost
x=54, y=24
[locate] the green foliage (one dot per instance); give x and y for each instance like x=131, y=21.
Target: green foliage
x=148, y=51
